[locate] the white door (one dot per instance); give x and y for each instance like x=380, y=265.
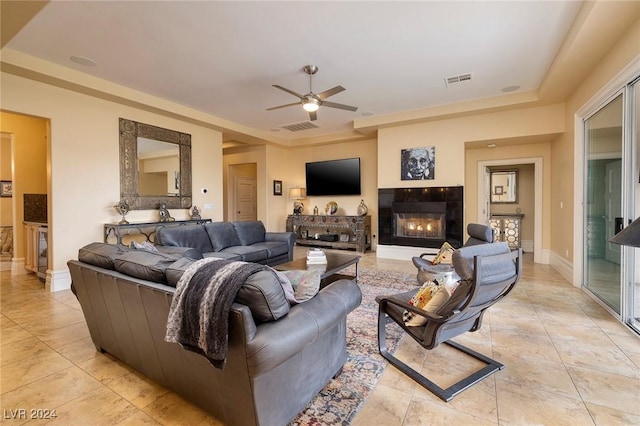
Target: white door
x=245, y=199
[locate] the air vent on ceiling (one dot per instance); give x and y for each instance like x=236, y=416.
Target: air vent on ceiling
x=296, y=127
x=458, y=79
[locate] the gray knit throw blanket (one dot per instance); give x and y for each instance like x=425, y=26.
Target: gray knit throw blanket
x=199, y=314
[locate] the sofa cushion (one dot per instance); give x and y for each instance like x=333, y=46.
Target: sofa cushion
x=222, y=255
x=194, y=236
x=263, y=294
x=250, y=232
x=248, y=253
x=144, y=265
x=273, y=248
x=221, y=235
x=176, y=269
x=101, y=254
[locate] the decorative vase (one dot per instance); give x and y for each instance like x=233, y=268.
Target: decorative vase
x=362, y=209
x=122, y=207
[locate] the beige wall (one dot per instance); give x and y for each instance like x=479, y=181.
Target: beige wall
x=563, y=150
x=288, y=165
x=457, y=166
x=6, y=210
x=30, y=167
x=84, y=162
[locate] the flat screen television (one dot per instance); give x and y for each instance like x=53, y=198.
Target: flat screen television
x=333, y=177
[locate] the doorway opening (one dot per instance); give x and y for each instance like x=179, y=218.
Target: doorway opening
x=535, y=199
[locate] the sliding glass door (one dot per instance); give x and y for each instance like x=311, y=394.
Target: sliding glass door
x=604, y=196
x=612, y=200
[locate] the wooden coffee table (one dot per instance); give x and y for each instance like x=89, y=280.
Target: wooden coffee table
x=336, y=262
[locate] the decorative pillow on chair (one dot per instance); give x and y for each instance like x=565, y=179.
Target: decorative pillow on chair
x=445, y=254
x=420, y=300
x=439, y=298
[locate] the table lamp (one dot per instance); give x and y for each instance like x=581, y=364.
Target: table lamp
x=297, y=194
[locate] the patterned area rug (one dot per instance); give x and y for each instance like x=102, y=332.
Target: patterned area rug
x=340, y=400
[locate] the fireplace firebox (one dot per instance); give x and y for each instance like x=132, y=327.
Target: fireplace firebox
x=420, y=217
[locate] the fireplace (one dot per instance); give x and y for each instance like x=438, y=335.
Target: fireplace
x=420, y=217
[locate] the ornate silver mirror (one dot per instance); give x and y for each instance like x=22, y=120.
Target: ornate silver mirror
x=155, y=166
x=504, y=186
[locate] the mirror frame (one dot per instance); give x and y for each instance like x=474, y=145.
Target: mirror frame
x=129, y=132
x=515, y=184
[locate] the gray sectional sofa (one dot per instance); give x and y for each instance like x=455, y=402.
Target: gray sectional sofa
x=246, y=241
x=279, y=356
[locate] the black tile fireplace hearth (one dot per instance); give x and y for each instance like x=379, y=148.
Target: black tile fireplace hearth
x=421, y=217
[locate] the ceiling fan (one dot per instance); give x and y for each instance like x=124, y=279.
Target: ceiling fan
x=312, y=101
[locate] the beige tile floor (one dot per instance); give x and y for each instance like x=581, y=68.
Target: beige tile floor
x=567, y=362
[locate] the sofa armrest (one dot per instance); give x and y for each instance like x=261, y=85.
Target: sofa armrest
x=277, y=341
x=288, y=237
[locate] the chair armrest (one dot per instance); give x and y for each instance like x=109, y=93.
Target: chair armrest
x=400, y=302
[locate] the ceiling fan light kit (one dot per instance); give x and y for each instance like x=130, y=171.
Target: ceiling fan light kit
x=311, y=102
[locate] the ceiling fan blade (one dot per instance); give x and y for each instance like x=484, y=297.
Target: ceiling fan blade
x=339, y=106
x=330, y=92
x=288, y=91
x=283, y=106
x=313, y=116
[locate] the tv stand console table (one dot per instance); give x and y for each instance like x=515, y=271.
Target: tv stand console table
x=353, y=232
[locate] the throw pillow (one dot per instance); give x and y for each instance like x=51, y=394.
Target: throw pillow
x=436, y=302
x=419, y=300
x=289, y=293
x=444, y=255
x=146, y=245
x=306, y=284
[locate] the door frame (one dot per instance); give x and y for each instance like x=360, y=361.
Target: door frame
x=601, y=98
x=483, y=196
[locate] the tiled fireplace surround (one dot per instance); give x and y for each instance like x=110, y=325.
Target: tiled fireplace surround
x=412, y=221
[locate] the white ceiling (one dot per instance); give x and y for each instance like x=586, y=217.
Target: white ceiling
x=223, y=57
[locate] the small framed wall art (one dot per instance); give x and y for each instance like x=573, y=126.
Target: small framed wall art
x=418, y=163
x=6, y=188
x=277, y=187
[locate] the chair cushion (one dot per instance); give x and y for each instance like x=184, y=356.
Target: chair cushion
x=222, y=235
x=101, y=254
x=250, y=232
x=145, y=265
x=463, y=260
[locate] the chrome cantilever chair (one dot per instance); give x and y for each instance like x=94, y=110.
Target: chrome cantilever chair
x=488, y=273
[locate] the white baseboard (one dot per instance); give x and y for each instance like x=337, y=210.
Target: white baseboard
x=58, y=280
x=562, y=265
x=402, y=252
